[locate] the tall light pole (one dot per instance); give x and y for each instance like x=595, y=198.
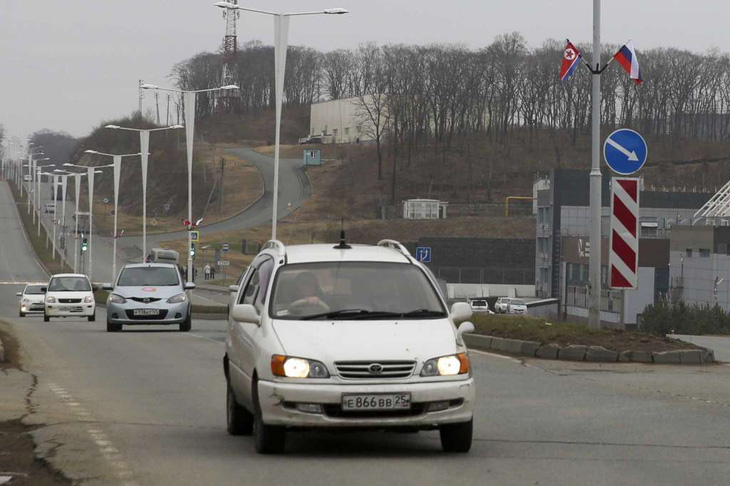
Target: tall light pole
x=90, y=172
x=32, y=184
x=117, y=164
x=189, y=98
x=37, y=193
x=594, y=262
x=144, y=149
x=64, y=191
x=281, y=41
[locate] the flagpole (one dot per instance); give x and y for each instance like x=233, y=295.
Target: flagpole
x=594, y=262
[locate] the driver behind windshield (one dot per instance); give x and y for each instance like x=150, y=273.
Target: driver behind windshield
x=308, y=294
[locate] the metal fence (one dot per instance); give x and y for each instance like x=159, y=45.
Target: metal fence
x=579, y=297
x=478, y=275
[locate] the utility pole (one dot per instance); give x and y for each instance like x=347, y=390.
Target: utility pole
x=221, y=179
x=140, y=96
x=594, y=263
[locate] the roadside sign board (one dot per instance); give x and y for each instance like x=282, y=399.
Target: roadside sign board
x=195, y=235
x=623, y=259
x=423, y=254
x=625, y=151
x=225, y=247
x=223, y=263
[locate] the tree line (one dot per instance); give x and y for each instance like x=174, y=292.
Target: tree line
x=437, y=92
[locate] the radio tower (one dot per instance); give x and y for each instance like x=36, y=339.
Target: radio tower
x=227, y=101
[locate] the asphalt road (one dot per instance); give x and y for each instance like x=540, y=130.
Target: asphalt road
x=147, y=407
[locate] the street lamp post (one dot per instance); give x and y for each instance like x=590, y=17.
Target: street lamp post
x=117, y=164
x=37, y=193
x=144, y=148
x=281, y=39
x=189, y=98
x=90, y=172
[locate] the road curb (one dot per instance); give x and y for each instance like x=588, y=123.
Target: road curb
x=592, y=354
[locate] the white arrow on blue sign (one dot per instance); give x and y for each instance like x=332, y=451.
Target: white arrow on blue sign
x=423, y=254
x=625, y=151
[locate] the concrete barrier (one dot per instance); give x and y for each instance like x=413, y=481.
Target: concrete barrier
x=599, y=354
x=574, y=352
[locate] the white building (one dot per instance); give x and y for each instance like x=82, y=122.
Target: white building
x=344, y=121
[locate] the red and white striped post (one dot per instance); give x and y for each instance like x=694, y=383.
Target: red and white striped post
x=623, y=260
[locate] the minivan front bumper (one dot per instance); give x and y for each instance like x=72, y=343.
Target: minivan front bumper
x=279, y=402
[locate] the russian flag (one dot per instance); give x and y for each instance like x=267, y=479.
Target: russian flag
x=571, y=60
x=626, y=56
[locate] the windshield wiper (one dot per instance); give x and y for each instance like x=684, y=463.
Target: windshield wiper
x=356, y=314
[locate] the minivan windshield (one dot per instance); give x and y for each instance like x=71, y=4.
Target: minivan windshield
x=34, y=290
x=148, y=276
x=69, y=284
x=354, y=290
x=518, y=302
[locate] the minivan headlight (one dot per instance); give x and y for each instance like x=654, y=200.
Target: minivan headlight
x=290, y=367
x=116, y=299
x=88, y=299
x=457, y=364
x=50, y=299
x=176, y=299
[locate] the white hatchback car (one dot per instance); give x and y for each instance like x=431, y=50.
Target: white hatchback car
x=69, y=295
x=325, y=336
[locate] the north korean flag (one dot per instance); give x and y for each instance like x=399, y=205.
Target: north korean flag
x=571, y=60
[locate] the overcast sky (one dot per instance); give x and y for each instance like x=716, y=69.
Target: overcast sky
x=69, y=64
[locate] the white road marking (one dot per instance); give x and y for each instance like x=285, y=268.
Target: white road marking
x=203, y=337
x=493, y=355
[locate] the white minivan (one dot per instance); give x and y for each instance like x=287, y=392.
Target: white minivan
x=69, y=295
x=338, y=337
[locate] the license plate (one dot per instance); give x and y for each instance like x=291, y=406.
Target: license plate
x=394, y=401
x=146, y=312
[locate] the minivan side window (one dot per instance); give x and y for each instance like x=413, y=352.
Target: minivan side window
x=251, y=290
x=264, y=273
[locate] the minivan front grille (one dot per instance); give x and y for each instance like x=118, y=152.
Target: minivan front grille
x=375, y=369
x=69, y=301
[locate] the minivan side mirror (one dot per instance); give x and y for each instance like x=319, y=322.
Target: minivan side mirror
x=465, y=328
x=107, y=286
x=44, y=289
x=245, y=313
x=19, y=294
x=233, y=288
x=189, y=285
x=460, y=311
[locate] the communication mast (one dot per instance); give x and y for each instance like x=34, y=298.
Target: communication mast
x=228, y=99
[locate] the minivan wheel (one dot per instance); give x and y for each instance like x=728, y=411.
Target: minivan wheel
x=21, y=314
x=92, y=317
x=269, y=439
x=456, y=437
x=187, y=324
x=239, y=421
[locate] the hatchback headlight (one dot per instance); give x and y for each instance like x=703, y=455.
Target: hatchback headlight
x=297, y=367
x=116, y=299
x=88, y=299
x=176, y=299
x=457, y=364
x=50, y=299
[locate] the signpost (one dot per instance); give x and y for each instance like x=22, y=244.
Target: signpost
x=623, y=260
x=625, y=151
x=225, y=247
x=195, y=235
x=423, y=254
x=224, y=264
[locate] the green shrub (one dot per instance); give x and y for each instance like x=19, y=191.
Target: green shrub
x=682, y=318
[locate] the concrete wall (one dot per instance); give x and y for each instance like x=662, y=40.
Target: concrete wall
x=465, y=291
x=697, y=276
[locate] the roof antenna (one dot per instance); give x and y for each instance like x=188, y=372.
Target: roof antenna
x=343, y=242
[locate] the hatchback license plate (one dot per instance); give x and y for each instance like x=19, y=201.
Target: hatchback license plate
x=146, y=312
x=394, y=401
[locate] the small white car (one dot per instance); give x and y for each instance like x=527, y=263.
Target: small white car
x=31, y=299
x=50, y=208
x=346, y=337
x=69, y=295
x=508, y=305
x=480, y=306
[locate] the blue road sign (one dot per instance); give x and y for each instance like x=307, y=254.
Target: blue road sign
x=225, y=247
x=625, y=151
x=423, y=254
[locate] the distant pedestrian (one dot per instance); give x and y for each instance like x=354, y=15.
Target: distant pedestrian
x=206, y=270
x=212, y=273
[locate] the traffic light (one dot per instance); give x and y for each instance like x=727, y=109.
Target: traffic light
x=84, y=245
x=192, y=249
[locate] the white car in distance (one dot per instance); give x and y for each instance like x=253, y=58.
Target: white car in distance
x=69, y=295
x=32, y=299
x=338, y=337
x=509, y=305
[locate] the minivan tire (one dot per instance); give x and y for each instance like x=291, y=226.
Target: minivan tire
x=269, y=439
x=456, y=437
x=92, y=317
x=239, y=421
x=187, y=324
x=21, y=314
